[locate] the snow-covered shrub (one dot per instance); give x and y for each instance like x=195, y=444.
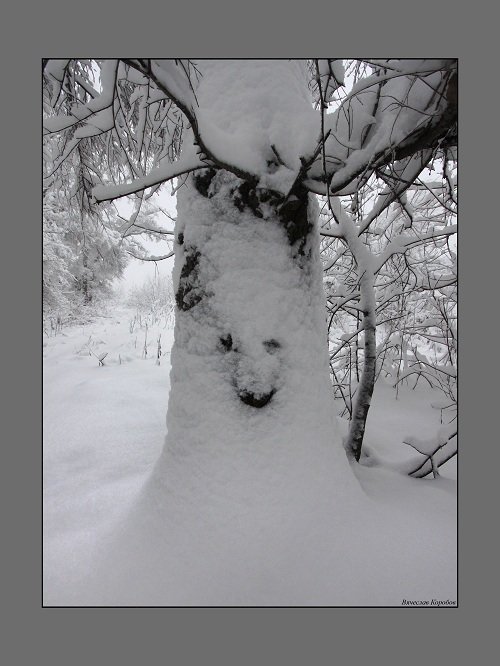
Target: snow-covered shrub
x=153, y=301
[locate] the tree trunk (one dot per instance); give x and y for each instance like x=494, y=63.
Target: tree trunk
x=364, y=392
x=87, y=294
x=250, y=354
x=364, y=262
x=251, y=464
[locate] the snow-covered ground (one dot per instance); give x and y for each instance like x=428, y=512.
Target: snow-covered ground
x=104, y=428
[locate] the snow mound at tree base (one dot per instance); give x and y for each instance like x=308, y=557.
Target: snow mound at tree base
x=304, y=554
x=295, y=542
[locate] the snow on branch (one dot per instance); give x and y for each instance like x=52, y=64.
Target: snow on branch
x=99, y=107
x=173, y=77
x=387, y=117
x=151, y=257
x=330, y=76
x=399, y=179
x=436, y=451
x=413, y=68
x=186, y=163
x=403, y=242
x=137, y=111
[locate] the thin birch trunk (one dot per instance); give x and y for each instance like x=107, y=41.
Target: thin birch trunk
x=364, y=392
x=366, y=385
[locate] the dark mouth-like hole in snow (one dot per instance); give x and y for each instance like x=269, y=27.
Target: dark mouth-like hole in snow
x=271, y=346
x=256, y=399
x=226, y=342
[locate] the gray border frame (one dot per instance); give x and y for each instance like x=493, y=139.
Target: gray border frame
x=238, y=636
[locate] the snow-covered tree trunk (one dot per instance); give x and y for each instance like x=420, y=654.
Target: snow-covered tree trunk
x=250, y=329
x=366, y=268
x=252, y=463
x=249, y=363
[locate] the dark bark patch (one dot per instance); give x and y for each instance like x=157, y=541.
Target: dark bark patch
x=202, y=181
x=180, y=238
x=293, y=215
x=246, y=196
x=189, y=292
x=292, y=210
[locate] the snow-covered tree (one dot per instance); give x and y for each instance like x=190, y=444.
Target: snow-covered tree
x=251, y=433
x=82, y=256
x=153, y=300
x=382, y=250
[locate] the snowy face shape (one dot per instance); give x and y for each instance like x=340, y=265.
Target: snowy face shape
x=254, y=368
x=241, y=282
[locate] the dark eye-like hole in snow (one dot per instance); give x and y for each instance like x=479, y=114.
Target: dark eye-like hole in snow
x=271, y=345
x=256, y=399
x=227, y=342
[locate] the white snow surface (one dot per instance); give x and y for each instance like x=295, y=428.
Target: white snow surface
x=245, y=506
x=103, y=431
x=101, y=435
